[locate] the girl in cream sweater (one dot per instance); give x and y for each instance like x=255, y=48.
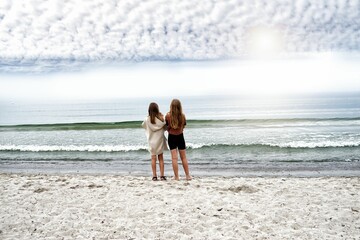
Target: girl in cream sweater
x=154, y=125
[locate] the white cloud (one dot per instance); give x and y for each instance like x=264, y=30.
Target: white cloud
x=32, y=32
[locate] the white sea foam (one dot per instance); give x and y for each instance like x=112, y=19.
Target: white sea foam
x=195, y=146
x=292, y=144
x=71, y=148
x=320, y=144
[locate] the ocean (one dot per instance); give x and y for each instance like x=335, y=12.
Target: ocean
x=317, y=135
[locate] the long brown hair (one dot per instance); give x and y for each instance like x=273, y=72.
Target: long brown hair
x=176, y=114
x=155, y=113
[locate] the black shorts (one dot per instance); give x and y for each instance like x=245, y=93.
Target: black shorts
x=176, y=141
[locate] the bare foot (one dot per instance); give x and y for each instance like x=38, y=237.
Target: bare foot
x=188, y=178
x=176, y=178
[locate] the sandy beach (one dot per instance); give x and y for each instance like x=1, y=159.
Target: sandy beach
x=125, y=207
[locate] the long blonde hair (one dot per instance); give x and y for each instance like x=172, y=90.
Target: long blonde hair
x=154, y=113
x=176, y=114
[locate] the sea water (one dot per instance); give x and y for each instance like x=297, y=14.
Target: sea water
x=225, y=135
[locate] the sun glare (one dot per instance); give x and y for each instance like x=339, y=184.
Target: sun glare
x=264, y=42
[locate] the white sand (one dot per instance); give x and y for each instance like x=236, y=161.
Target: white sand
x=118, y=207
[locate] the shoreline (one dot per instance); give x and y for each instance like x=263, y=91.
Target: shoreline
x=327, y=174
x=85, y=206
x=229, y=173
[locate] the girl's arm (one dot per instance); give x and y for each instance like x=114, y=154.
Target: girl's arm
x=161, y=117
x=166, y=119
x=143, y=124
x=155, y=127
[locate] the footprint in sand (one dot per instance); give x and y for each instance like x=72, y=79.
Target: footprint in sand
x=243, y=188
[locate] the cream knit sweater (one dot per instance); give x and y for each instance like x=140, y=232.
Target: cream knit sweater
x=155, y=135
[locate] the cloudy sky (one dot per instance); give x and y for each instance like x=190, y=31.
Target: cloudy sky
x=96, y=48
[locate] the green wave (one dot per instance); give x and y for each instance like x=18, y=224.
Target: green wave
x=72, y=126
x=190, y=124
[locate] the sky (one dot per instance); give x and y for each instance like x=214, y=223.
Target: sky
x=94, y=49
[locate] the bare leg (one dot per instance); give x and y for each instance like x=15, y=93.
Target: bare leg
x=153, y=165
x=174, y=158
x=185, y=163
x=161, y=164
